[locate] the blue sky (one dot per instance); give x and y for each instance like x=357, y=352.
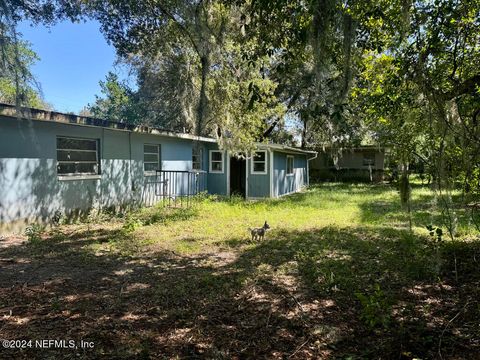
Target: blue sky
x=73, y=59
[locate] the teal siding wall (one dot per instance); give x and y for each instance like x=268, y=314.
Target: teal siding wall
x=283, y=183
x=216, y=182
x=259, y=184
x=176, y=154
x=30, y=189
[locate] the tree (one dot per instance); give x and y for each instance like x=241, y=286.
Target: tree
x=191, y=69
x=147, y=29
x=16, y=81
x=118, y=103
x=313, y=50
x=17, y=84
x=167, y=88
x=431, y=98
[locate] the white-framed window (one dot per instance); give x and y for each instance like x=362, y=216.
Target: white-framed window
x=197, y=156
x=151, y=158
x=259, y=162
x=289, y=165
x=216, y=161
x=77, y=156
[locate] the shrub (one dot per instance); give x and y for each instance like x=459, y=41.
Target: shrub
x=131, y=224
x=57, y=218
x=375, y=308
x=33, y=233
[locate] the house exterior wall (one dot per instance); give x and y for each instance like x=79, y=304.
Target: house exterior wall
x=175, y=155
x=217, y=182
x=350, y=166
x=354, y=160
x=30, y=189
x=285, y=184
x=258, y=184
x=350, y=160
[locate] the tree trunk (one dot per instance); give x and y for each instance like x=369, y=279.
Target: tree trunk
x=203, y=101
x=405, y=193
x=303, y=144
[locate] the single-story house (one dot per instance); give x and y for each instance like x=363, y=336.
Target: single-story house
x=53, y=163
x=363, y=163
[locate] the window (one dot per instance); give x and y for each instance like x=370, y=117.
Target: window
x=369, y=159
x=197, y=155
x=151, y=158
x=259, y=162
x=289, y=165
x=77, y=156
x=216, y=161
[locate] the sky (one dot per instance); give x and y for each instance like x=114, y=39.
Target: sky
x=73, y=59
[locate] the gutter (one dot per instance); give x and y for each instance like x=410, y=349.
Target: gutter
x=308, y=167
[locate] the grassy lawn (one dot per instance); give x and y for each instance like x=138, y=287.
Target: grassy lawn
x=338, y=276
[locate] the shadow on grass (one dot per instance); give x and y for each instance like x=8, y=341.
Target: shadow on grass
x=292, y=295
x=165, y=215
x=423, y=211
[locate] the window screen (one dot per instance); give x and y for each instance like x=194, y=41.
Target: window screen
x=197, y=158
x=259, y=162
x=289, y=165
x=151, y=157
x=77, y=156
x=216, y=161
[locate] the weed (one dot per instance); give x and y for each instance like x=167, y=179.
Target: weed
x=33, y=233
x=435, y=232
x=307, y=266
x=375, y=308
x=131, y=224
x=57, y=218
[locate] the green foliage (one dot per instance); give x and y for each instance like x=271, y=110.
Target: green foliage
x=308, y=269
x=244, y=94
x=131, y=224
x=435, y=232
x=34, y=232
x=376, y=310
x=191, y=72
x=57, y=218
x=118, y=102
x=17, y=84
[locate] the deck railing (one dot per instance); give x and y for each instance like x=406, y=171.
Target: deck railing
x=177, y=187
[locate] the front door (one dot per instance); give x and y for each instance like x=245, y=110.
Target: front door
x=237, y=176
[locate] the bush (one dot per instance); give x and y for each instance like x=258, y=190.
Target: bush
x=375, y=308
x=131, y=224
x=33, y=233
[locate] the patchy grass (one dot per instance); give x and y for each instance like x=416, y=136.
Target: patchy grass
x=338, y=276
x=213, y=224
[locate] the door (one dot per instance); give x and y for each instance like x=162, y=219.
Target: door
x=237, y=176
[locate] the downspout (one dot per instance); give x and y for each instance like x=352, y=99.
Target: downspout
x=246, y=178
x=132, y=190
x=271, y=172
x=308, y=167
x=102, y=170
x=227, y=172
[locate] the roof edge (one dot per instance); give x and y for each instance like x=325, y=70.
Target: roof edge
x=87, y=121
x=286, y=148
